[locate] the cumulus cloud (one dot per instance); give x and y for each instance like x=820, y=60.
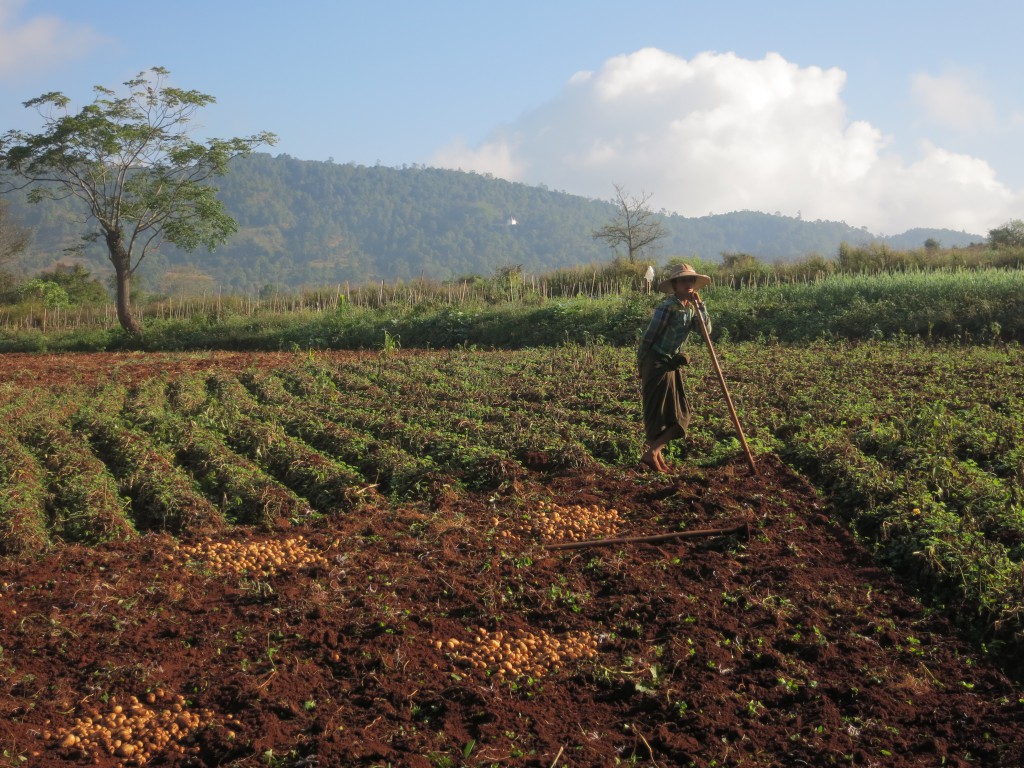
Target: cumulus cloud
x=40, y=43
x=496, y=157
x=955, y=100
x=719, y=133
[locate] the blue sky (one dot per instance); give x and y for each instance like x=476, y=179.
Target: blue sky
x=887, y=115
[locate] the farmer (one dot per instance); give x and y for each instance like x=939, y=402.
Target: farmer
x=666, y=412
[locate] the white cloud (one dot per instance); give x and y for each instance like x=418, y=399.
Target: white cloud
x=40, y=43
x=494, y=157
x=954, y=100
x=720, y=133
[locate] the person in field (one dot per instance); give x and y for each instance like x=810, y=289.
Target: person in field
x=659, y=359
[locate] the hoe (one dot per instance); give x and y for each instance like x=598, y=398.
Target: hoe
x=741, y=528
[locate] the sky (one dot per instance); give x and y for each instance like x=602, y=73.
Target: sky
x=888, y=115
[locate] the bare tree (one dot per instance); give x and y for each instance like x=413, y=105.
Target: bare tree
x=13, y=237
x=635, y=225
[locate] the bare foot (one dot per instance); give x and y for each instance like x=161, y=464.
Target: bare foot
x=651, y=460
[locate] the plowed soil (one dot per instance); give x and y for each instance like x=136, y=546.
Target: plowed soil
x=787, y=647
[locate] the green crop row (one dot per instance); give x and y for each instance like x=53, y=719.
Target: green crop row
x=312, y=420
x=329, y=485
x=163, y=496
x=247, y=494
x=919, y=447
x=23, y=496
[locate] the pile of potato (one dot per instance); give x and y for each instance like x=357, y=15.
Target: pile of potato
x=509, y=655
x=256, y=558
x=554, y=522
x=136, y=732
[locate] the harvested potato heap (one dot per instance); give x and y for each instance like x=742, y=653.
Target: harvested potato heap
x=135, y=733
x=517, y=654
x=553, y=522
x=258, y=558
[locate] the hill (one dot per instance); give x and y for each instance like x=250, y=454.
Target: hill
x=320, y=223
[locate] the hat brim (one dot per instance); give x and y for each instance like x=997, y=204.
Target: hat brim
x=702, y=280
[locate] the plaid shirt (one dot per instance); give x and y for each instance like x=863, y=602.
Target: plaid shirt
x=669, y=328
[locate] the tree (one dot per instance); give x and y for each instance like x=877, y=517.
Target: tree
x=80, y=286
x=635, y=225
x=1010, y=235
x=13, y=238
x=130, y=160
x=47, y=293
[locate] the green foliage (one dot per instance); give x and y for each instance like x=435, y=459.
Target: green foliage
x=23, y=498
x=14, y=238
x=326, y=483
x=1010, y=235
x=65, y=286
x=80, y=285
x=248, y=495
x=966, y=305
x=163, y=496
x=129, y=160
x=743, y=268
x=919, y=446
x=86, y=505
x=49, y=294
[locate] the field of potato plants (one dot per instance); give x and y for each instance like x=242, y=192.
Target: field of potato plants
x=362, y=559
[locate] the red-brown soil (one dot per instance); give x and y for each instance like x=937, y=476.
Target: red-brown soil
x=791, y=648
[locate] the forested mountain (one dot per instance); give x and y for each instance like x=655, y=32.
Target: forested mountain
x=308, y=223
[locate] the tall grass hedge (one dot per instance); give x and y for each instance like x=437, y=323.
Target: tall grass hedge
x=971, y=305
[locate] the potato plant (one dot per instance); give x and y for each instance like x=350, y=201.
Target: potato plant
x=164, y=496
x=918, y=444
x=24, y=526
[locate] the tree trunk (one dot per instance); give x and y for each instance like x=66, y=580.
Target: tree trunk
x=122, y=262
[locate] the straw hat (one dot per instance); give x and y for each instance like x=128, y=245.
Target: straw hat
x=683, y=270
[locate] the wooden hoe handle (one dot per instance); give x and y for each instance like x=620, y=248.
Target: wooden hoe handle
x=721, y=378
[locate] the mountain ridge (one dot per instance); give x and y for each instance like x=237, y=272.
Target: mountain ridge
x=308, y=223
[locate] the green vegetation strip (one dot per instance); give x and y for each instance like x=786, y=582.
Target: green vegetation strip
x=921, y=448
x=23, y=523
x=247, y=494
x=981, y=304
x=86, y=504
x=327, y=484
x=164, y=496
x=311, y=420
